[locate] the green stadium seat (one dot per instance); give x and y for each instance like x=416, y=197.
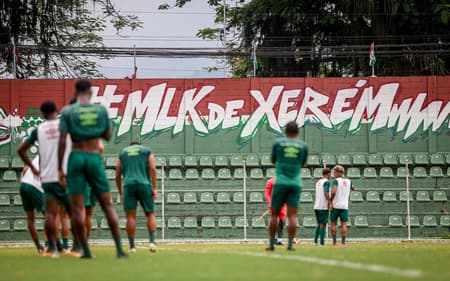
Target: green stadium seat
x=313, y=160
x=257, y=223
x=160, y=160
x=256, y=173
x=306, y=173
x=4, y=225
x=372, y=196
x=356, y=196
x=175, y=174
x=9, y=175
x=173, y=198
x=401, y=172
x=353, y=173
x=206, y=161
x=448, y=172
x=413, y=221
x=329, y=159
x=122, y=223
x=190, y=198
x=444, y=221
x=421, y=159
x=309, y=221
x=395, y=221
x=238, y=197
x=208, y=222
x=224, y=174
x=190, y=161
x=256, y=197
x=439, y=196
x=206, y=197
x=375, y=160
x=240, y=222
x=208, y=174
x=104, y=224
x=221, y=161
x=423, y=196
x=94, y=223
x=306, y=197
x=4, y=200
x=110, y=161
x=317, y=173
x=369, y=172
x=238, y=173
x=20, y=224
x=236, y=161
x=389, y=196
x=390, y=159
x=436, y=172
x=266, y=161
x=420, y=172
x=4, y=162
x=270, y=173
x=17, y=200
x=359, y=160
x=175, y=161
x=429, y=221
x=361, y=221
x=159, y=199
x=447, y=158
x=403, y=196
x=110, y=174
x=386, y=172
x=190, y=222
x=224, y=222
x=174, y=222
x=17, y=163
x=191, y=174
x=344, y=159
x=159, y=174
x=223, y=197
x=437, y=159
x=252, y=160
x=160, y=222
x=39, y=224
x=404, y=157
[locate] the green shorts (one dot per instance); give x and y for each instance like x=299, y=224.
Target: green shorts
x=89, y=198
x=342, y=214
x=322, y=216
x=32, y=198
x=137, y=192
x=282, y=194
x=83, y=169
x=52, y=190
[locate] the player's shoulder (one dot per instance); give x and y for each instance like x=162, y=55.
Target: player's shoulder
x=279, y=140
x=145, y=149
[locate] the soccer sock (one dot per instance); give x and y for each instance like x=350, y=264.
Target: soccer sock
x=51, y=246
x=86, y=250
x=290, y=242
x=151, y=235
x=118, y=245
x=65, y=243
x=280, y=228
x=75, y=246
x=36, y=242
x=322, y=235
x=131, y=240
x=272, y=242
x=46, y=243
x=59, y=244
x=343, y=239
x=316, y=234
x=334, y=239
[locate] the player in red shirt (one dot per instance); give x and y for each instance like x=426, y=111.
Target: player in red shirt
x=282, y=218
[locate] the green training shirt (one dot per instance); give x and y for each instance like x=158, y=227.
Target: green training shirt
x=134, y=160
x=84, y=121
x=289, y=155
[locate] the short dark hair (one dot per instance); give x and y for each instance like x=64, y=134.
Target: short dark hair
x=326, y=171
x=135, y=142
x=82, y=86
x=48, y=107
x=73, y=100
x=291, y=128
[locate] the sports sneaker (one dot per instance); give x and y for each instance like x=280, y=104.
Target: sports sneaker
x=290, y=249
x=270, y=249
x=132, y=250
x=75, y=253
x=279, y=242
x=152, y=247
x=344, y=245
x=122, y=256
x=335, y=245
x=53, y=255
x=65, y=251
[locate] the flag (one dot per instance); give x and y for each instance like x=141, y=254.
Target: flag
x=372, y=59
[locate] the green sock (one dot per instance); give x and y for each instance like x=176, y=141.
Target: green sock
x=334, y=238
x=316, y=234
x=343, y=239
x=51, y=246
x=86, y=250
x=59, y=244
x=272, y=241
x=118, y=245
x=46, y=243
x=322, y=235
x=280, y=229
x=290, y=242
x=131, y=240
x=151, y=235
x=36, y=242
x=75, y=246
x=65, y=243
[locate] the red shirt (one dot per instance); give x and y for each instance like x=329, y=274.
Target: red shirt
x=268, y=195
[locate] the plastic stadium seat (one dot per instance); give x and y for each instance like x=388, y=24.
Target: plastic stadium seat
x=175, y=161
x=306, y=197
x=437, y=159
x=20, y=224
x=104, y=224
x=447, y=158
x=190, y=161
x=110, y=174
x=160, y=160
x=9, y=175
x=224, y=174
x=223, y=197
x=190, y=198
x=361, y=221
x=224, y=222
x=309, y=221
x=4, y=200
x=208, y=222
x=221, y=161
x=257, y=223
x=317, y=173
x=238, y=173
x=39, y=223
x=256, y=173
x=122, y=223
x=236, y=161
x=395, y=221
x=4, y=225
x=401, y=172
x=436, y=172
x=313, y=160
x=369, y=172
x=439, y=196
x=306, y=173
x=359, y=160
x=240, y=222
x=419, y=172
x=173, y=198
x=191, y=174
x=206, y=197
x=390, y=159
x=421, y=159
x=423, y=196
x=94, y=223
x=402, y=158
x=190, y=222
x=403, y=196
x=174, y=222
x=256, y=197
x=356, y=196
x=386, y=172
x=328, y=159
x=353, y=173
x=208, y=174
x=372, y=196
x=17, y=200
x=238, y=197
x=159, y=174
x=270, y=173
x=110, y=161
x=413, y=221
x=4, y=162
x=266, y=161
x=429, y=221
x=252, y=160
x=17, y=163
x=175, y=174
x=160, y=222
x=344, y=159
x=448, y=172
x=206, y=161
x=375, y=160
x=389, y=196
x=444, y=221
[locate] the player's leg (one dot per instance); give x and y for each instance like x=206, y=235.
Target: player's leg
x=29, y=204
x=292, y=202
x=273, y=225
x=129, y=206
x=281, y=224
x=144, y=195
x=33, y=232
x=317, y=230
x=50, y=225
x=65, y=229
x=131, y=228
x=151, y=227
x=344, y=219
x=333, y=218
x=89, y=217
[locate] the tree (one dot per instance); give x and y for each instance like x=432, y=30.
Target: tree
x=48, y=26
x=332, y=38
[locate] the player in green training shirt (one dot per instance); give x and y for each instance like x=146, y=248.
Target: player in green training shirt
x=86, y=123
x=136, y=164
x=289, y=155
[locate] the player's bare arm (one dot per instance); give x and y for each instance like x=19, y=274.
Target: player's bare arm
x=119, y=180
x=353, y=187
x=61, y=151
x=153, y=175
x=333, y=192
x=22, y=151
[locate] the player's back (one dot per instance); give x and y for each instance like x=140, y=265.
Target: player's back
x=320, y=201
x=48, y=139
x=134, y=164
x=289, y=155
x=29, y=178
x=341, y=198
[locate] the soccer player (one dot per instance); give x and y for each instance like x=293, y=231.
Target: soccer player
x=32, y=196
x=136, y=164
x=86, y=123
x=282, y=218
x=289, y=155
x=321, y=205
x=340, y=193
x=47, y=135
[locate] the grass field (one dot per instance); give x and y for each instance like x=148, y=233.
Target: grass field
x=359, y=261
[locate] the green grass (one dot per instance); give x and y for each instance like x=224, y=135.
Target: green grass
x=237, y=262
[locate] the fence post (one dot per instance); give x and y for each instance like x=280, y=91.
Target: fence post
x=163, y=218
x=408, y=214
x=244, y=181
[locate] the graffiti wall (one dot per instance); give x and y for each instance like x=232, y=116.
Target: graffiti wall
x=400, y=110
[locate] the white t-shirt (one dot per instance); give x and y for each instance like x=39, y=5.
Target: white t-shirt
x=340, y=200
x=321, y=202
x=30, y=178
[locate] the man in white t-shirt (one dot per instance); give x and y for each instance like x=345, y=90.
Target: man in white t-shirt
x=321, y=205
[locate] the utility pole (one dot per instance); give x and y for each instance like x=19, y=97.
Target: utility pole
x=224, y=38
x=14, y=66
